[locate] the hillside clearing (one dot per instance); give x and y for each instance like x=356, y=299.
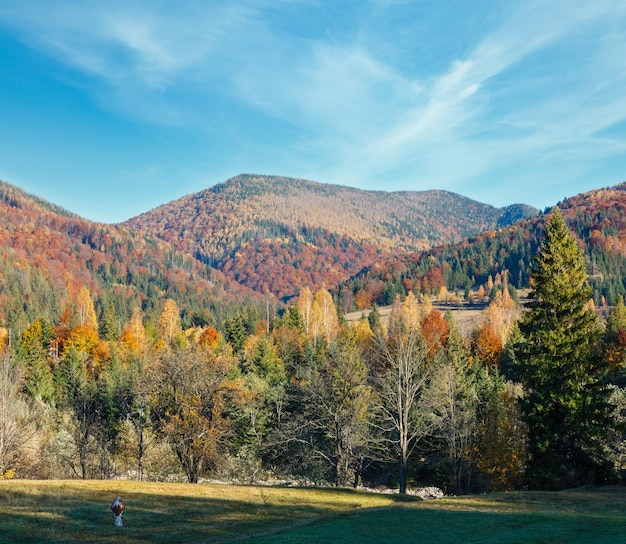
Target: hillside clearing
x=466, y=317
x=78, y=511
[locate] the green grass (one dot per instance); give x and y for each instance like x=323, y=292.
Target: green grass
x=77, y=511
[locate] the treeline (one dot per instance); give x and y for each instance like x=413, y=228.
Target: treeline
x=307, y=397
x=29, y=292
x=302, y=394
x=597, y=219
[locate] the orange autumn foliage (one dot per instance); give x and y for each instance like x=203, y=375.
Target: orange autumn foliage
x=487, y=345
x=435, y=331
x=210, y=338
x=85, y=340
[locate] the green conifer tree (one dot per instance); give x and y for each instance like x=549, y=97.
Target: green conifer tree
x=33, y=351
x=566, y=400
x=109, y=324
x=235, y=333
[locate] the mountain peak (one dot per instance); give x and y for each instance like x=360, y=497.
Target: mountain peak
x=301, y=232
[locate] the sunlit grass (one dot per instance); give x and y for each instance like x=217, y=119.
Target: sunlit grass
x=79, y=511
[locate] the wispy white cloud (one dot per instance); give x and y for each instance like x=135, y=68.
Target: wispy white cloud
x=441, y=140
x=144, y=57
x=149, y=42
x=363, y=103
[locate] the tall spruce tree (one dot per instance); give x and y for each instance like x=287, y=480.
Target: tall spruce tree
x=566, y=400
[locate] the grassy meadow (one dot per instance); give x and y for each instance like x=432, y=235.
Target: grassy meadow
x=78, y=511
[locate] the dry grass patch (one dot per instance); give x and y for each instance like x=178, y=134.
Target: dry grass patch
x=78, y=511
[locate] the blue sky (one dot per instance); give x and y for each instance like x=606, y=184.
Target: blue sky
x=112, y=108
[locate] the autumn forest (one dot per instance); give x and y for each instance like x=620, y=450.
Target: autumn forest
x=280, y=330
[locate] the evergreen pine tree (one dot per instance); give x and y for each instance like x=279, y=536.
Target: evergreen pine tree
x=33, y=351
x=235, y=333
x=566, y=400
x=109, y=324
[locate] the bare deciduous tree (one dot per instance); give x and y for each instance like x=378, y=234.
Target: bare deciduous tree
x=18, y=419
x=403, y=405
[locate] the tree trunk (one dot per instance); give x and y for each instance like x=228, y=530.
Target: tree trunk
x=402, y=475
x=141, y=453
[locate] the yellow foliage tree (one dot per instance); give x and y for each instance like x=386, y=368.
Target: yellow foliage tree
x=501, y=315
x=134, y=337
x=330, y=320
x=363, y=333
x=84, y=340
x=169, y=322
x=85, y=311
x=4, y=339
x=427, y=307
x=411, y=310
x=481, y=293
x=444, y=295
x=305, y=306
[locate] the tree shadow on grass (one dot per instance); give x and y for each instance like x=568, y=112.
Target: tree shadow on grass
x=80, y=512
x=74, y=512
x=402, y=525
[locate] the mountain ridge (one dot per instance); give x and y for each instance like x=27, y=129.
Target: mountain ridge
x=277, y=191
x=48, y=253
x=311, y=233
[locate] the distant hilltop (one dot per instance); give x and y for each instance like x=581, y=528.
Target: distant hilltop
x=278, y=234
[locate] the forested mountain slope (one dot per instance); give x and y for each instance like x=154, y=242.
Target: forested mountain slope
x=280, y=234
x=597, y=218
x=47, y=254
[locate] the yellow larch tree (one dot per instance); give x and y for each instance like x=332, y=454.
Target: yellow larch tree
x=426, y=307
x=411, y=310
x=305, y=305
x=501, y=315
x=85, y=311
x=169, y=322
